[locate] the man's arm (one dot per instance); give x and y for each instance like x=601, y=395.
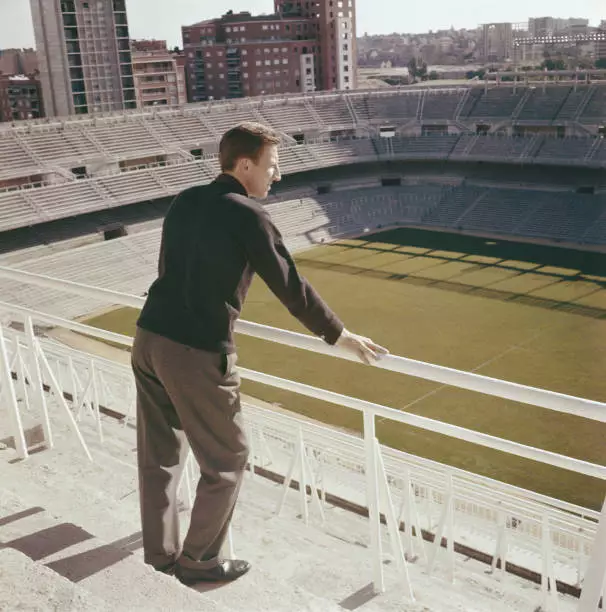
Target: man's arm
x=271, y=259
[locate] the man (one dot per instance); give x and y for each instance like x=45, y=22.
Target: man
x=214, y=239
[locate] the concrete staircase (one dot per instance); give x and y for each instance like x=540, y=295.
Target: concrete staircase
x=70, y=540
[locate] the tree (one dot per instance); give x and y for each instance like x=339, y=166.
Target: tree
x=417, y=69
x=433, y=75
x=551, y=64
x=601, y=63
x=412, y=69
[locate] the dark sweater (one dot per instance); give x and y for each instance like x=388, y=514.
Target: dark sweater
x=214, y=238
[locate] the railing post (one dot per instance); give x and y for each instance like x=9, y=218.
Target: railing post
x=595, y=575
x=6, y=381
x=372, y=500
x=37, y=382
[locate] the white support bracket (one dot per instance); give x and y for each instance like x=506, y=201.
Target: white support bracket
x=39, y=357
x=392, y=523
x=7, y=389
x=300, y=460
x=595, y=575
x=445, y=528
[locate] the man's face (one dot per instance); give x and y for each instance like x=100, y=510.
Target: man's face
x=261, y=175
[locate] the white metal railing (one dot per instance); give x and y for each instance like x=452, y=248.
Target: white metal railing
x=378, y=488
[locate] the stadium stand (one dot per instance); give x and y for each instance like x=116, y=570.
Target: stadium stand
x=14, y=158
x=334, y=113
x=571, y=104
x=111, y=190
x=495, y=103
x=565, y=149
x=441, y=105
x=498, y=146
x=543, y=104
x=564, y=217
x=498, y=210
x=36, y=147
x=595, y=105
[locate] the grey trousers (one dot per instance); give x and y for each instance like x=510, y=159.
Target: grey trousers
x=186, y=394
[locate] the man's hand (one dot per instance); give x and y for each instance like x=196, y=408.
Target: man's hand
x=363, y=347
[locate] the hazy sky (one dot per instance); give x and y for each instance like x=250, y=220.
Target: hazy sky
x=163, y=19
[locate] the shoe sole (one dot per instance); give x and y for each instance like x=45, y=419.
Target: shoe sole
x=191, y=581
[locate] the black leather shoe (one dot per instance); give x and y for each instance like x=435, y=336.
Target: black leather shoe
x=168, y=569
x=225, y=571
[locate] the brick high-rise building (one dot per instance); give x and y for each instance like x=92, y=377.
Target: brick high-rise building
x=159, y=74
x=20, y=98
x=305, y=46
x=18, y=61
x=84, y=56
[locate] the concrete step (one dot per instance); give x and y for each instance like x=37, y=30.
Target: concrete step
x=27, y=585
x=108, y=571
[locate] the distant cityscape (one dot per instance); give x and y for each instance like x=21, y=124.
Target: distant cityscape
x=86, y=63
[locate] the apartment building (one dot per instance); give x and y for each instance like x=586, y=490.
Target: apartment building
x=159, y=74
x=302, y=47
x=20, y=98
x=84, y=56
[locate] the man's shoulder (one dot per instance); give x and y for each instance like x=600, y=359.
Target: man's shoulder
x=218, y=198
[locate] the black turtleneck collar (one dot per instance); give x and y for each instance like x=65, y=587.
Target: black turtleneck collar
x=233, y=183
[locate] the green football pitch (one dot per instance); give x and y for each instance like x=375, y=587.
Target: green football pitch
x=526, y=313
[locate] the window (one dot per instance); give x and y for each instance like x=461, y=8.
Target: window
x=244, y=52
x=284, y=50
x=266, y=50
x=346, y=79
x=245, y=75
x=345, y=47
x=245, y=64
x=264, y=27
x=276, y=50
x=221, y=76
x=258, y=63
x=268, y=62
x=345, y=57
x=285, y=60
x=228, y=29
x=220, y=64
x=276, y=61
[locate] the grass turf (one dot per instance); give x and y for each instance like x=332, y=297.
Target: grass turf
x=526, y=313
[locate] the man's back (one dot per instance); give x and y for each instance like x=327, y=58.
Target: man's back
x=203, y=274
x=214, y=239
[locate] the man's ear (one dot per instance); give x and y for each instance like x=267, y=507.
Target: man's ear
x=242, y=164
